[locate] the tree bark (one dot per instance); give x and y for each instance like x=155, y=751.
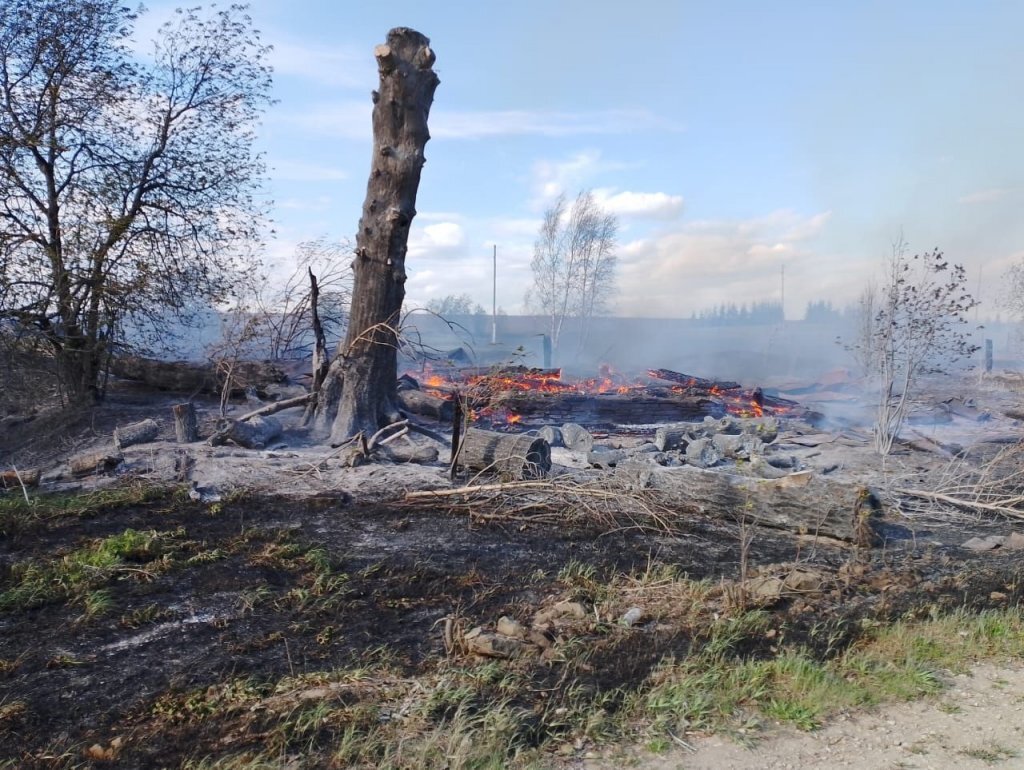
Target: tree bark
x=513, y=455
x=366, y=360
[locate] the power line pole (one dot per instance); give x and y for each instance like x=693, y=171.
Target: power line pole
x=494, y=300
x=783, y=293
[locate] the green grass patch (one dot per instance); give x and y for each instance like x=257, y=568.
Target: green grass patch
x=18, y=514
x=82, y=574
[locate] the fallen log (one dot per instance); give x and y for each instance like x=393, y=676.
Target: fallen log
x=606, y=408
x=253, y=433
x=13, y=479
x=192, y=377
x=425, y=404
x=99, y=461
x=137, y=433
x=231, y=431
x=803, y=502
x=691, y=381
x=512, y=455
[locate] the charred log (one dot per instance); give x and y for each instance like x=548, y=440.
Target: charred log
x=425, y=404
x=691, y=381
x=188, y=377
x=608, y=409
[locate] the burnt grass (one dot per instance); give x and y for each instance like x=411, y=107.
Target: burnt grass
x=230, y=592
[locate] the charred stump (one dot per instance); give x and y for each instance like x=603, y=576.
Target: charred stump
x=358, y=393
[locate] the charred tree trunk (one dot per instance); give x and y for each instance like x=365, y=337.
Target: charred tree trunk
x=321, y=363
x=366, y=362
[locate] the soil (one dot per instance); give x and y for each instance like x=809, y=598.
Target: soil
x=977, y=723
x=230, y=598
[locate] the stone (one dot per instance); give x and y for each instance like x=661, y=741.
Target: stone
x=631, y=617
x=552, y=434
x=1014, y=542
x=492, y=645
x=703, y=453
x=510, y=627
x=989, y=543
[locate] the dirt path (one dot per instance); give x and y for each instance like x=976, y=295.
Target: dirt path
x=977, y=723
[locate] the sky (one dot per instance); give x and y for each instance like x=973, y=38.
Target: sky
x=734, y=141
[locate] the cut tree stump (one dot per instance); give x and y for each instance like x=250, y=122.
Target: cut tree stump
x=513, y=455
x=803, y=503
x=137, y=433
x=95, y=462
x=186, y=424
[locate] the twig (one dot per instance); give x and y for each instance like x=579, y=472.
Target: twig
x=277, y=406
x=939, y=497
x=21, y=481
x=502, y=487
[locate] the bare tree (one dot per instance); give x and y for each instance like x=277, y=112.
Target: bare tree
x=285, y=312
x=359, y=392
x=126, y=187
x=917, y=328
x=573, y=264
x=455, y=304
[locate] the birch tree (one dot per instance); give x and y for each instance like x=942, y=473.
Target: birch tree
x=573, y=264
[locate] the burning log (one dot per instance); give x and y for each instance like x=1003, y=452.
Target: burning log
x=515, y=455
x=690, y=381
x=799, y=502
x=607, y=409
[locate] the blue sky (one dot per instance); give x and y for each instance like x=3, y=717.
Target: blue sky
x=731, y=138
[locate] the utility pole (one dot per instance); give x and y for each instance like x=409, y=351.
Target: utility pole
x=494, y=300
x=783, y=292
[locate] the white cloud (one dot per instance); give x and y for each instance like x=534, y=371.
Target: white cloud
x=480, y=124
x=337, y=66
x=699, y=265
x=298, y=171
x=443, y=239
x=986, y=196
x=351, y=120
x=551, y=178
x=657, y=205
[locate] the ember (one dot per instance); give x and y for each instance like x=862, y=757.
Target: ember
x=522, y=396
